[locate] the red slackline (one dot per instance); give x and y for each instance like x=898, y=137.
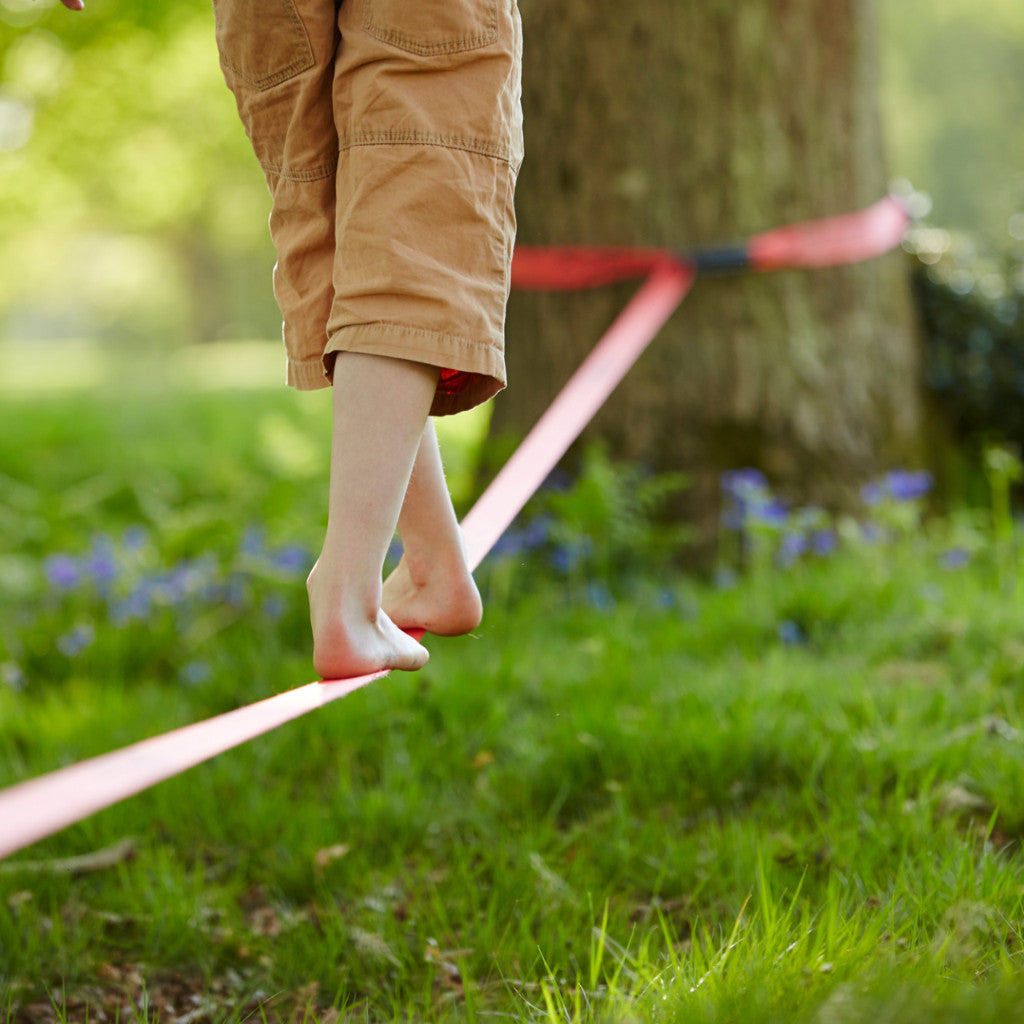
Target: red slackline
x=31, y=810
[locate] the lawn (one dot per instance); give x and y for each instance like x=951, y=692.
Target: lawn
x=790, y=794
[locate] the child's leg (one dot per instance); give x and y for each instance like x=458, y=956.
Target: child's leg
x=432, y=587
x=380, y=408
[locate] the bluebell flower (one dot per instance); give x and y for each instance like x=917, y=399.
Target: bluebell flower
x=725, y=578
x=771, y=513
x=136, y=606
x=824, y=542
x=955, y=558
x=537, y=531
x=12, y=675
x=252, y=542
x=872, y=493
x=792, y=547
x=599, y=596
x=194, y=673
x=72, y=644
x=741, y=482
x=62, y=572
x=135, y=538
x=791, y=634
x=100, y=564
x=273, y=607
x=908, y=486
x=871, y=533
x=293, y=559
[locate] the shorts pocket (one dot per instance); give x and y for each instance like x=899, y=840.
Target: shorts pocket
x=261, y=42
x=424, y=27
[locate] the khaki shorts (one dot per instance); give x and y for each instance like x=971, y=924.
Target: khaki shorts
x=390, y=134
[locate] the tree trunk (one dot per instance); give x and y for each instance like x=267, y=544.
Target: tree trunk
x=671, y=123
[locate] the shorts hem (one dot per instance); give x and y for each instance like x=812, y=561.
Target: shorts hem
x=472, y=371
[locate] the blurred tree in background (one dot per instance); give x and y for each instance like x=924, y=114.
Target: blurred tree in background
x=698, y=123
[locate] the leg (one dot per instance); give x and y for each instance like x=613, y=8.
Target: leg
x=380, y=408
x=432, y=588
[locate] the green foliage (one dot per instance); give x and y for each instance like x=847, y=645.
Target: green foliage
x=952, y=87
x=135, y=195
x=971, y=307
x=650, y=809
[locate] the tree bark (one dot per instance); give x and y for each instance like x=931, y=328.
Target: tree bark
x=677, y=123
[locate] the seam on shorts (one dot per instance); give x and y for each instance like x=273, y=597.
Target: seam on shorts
x=380, y=326
x=312, y=174
x=483, y=147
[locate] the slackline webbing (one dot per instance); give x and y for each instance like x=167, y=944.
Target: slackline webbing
x=38, y=807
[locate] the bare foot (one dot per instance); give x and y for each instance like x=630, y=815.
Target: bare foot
x=352, y=641
x=441, y=598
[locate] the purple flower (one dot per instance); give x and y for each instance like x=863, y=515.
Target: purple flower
x=136, y=605
x=791, y=634
x=61, y=572
x=273, y=607
x=955, y=558
x=600, y=597
x=740, y=482
x=252, y=542
x=899, y=484
x=194, y=673
x=871, y=494
x=793, y=546
x=100, y=564
x=907, y=486
x=135, y=538
x=771, y=513
x=824, y=542
x=293, y=559
x=725, y=578
x=72, y=644
x=12, y=675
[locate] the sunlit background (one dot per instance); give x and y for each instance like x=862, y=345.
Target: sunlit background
x=132, y=212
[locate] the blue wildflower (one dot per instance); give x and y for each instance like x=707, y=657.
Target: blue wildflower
x=955, y=558
x=135, y=538
x=741, y=482
x=600, y=597
x=72, y=644
x=137, y=605
x=12, y=675
x=772, y=513
x=872, y=493
x=792, y=547
x=791, y=633
x=824, y=542
x=273, y=607
x=62, y=572
x=194, y=673
x=293, y=559
x=908, y=486
x=252, y=542
x=725, y=578
x=100, y=564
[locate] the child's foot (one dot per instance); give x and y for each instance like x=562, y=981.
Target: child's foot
x=441, y=598
x=350, y=642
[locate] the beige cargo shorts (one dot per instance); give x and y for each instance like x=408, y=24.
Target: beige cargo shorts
x=390, y=134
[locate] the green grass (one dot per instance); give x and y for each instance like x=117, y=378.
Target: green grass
x=642, y=807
